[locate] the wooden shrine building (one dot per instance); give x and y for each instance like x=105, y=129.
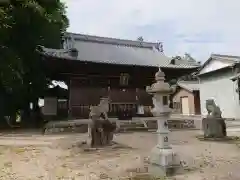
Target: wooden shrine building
x=95, y=67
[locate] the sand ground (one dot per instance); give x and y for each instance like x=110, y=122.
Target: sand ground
x=32, y=156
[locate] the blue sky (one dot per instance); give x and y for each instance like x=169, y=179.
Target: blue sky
x=198, y=27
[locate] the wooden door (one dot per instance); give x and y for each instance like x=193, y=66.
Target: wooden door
x=81, y=98
x=122, y=98
x=185, y=105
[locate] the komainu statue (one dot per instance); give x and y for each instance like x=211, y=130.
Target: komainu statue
x=101, y=128
x=213, y=125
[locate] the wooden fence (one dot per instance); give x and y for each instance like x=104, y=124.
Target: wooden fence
x=82, y=111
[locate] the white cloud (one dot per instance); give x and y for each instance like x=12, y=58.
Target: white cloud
x=199, y=27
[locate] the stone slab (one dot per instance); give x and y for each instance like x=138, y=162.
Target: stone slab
x=163, y=161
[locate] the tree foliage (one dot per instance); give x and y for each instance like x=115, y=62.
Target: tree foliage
x=24, y=25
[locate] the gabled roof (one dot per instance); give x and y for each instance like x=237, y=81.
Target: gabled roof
x=235, y=77
x=225, y=58
x=189, y=77
x=186, y=59
x=189, y=85
x=116, y=51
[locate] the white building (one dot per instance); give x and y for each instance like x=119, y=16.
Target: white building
x=218, y=78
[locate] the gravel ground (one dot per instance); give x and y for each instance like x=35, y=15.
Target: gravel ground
x=53, y=157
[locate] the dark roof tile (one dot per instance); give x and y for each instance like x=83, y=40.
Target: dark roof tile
x=189, y=85
x=116, y=51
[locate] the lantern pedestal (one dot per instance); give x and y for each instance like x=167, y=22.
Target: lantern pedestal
x=163, y=160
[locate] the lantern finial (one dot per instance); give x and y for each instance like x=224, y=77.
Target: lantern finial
x=159, y=76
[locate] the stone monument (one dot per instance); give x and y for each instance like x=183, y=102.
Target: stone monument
x=213, y=125
x=163, y=159
x=101, y=128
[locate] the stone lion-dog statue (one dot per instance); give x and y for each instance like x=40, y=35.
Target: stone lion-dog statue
x=213, y=125
x=101, y=128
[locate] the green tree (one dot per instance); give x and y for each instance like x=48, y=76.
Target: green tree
x=24, y=25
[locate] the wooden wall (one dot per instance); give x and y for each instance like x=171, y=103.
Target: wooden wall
x=81, y=97
x=91, y=81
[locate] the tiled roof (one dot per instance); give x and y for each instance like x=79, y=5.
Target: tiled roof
x=189, y=85
x=189, y=77
x=235, y=77
x=232, y=59
x=226, y=57
x=187, y=59
x=116, y=51
x=154, y=61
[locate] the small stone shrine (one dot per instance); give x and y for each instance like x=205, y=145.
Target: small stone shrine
x=213, y=125
x=101, y=128
x=163, y=160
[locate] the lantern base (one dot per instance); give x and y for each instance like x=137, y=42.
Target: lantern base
x=163, y=161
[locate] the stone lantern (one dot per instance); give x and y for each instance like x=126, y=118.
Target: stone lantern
x=162, y=159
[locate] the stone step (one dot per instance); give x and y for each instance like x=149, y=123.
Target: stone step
x=132, y=125
x=152, y=124
x=130, y=129
x=232, y=123
x=172, y=124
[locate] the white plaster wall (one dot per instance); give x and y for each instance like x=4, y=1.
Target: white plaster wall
x=223, y=91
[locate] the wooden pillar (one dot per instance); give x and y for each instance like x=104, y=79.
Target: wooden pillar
x=69, y=98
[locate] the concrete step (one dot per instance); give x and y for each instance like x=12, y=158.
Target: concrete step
x=232, y=123
x=132, y=125
x=133, y=129
x=152, y=124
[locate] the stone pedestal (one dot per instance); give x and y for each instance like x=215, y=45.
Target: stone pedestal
x=163, y=160
x=214, y=127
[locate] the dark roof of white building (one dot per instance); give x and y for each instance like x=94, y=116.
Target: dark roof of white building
x=117, y=51
x=235, y=77
x=189, y=85
x=232, y=59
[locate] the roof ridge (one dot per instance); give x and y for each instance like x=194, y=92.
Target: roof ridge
x=224, y=55
x=185, y=60
x=189, y=58
x=188, y=81
x=114, y=41
x=189, y=86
